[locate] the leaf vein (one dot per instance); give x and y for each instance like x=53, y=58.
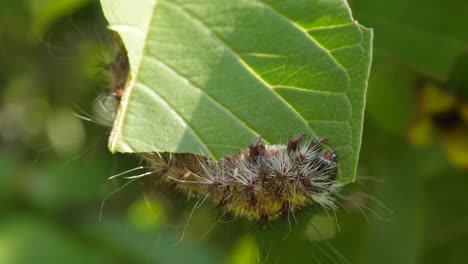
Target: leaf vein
x=240, y=60
x=177, y=115
x=311, y=38
x=223, y=107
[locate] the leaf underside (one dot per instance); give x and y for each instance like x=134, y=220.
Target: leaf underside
x=208, y=76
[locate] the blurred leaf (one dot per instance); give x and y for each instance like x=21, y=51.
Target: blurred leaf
x=422, y=132
x=435, y=99
x=292, y=244
x=321, y=227
x=427, y=34
x=245, y=251
x=464, y=112
x=208, y=77
x=8, y=188
x=64, y=129
x=146, y=214
x=399, y=240
x=138, y=247
x=25, y=240
x=57, y=186
x=13, y=13
x=456, y=147
x=391, y=101
x=45, y=12
x=447, y=218
x=458, y=78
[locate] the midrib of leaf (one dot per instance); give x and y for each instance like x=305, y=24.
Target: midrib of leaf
x=219, y=39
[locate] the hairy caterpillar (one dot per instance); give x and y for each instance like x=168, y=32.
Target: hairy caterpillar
x=259, y=183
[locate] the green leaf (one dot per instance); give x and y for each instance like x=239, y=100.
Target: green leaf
x=208, y=77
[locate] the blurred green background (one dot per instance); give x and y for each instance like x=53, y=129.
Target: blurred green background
x=54, y=166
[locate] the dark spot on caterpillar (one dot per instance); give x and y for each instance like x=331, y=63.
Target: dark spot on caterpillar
x=263, y=219
x=256, y=148
x=317, y=143
x=293, y=143
x=259, y=183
